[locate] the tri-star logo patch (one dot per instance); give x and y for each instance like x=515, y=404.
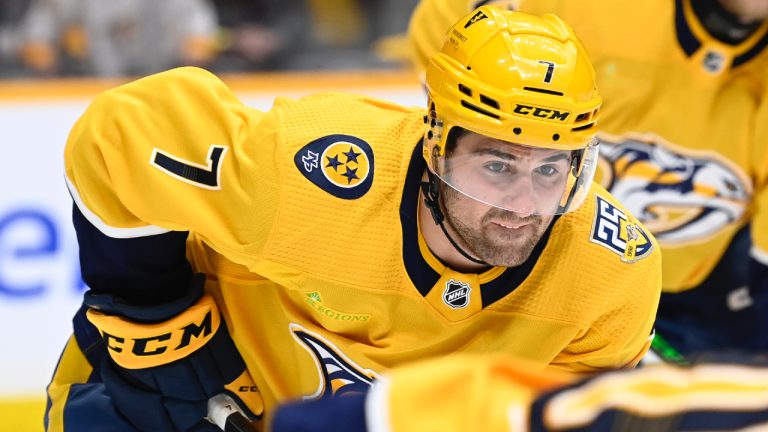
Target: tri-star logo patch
x=341, y=165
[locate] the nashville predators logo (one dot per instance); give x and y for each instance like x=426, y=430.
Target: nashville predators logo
x=681, y=196
x=338, y=374
x=614, y=230
x=341, y=165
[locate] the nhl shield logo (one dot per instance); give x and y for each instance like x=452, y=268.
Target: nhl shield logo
x=456, y=294
x=713, y=62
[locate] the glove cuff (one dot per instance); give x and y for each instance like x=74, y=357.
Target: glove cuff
x=147, y=313
x=135, y=345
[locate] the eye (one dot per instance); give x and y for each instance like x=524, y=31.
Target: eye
x=496, y=167
x=547, y=170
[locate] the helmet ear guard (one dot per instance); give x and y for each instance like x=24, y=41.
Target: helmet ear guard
x=433, y=142
x=517, y=78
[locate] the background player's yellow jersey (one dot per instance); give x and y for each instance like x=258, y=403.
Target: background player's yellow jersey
x=500, y=393
x=683, y=136
x=691, y=181
x=684, y=145
x=304, y=220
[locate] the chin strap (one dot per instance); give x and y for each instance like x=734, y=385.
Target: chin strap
x=431, y=191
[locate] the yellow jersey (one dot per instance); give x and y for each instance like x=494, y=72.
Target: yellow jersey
x=683, y=147
x=678, y=140
x=304, y=221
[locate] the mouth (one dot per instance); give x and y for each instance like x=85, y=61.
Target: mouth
x=512, y=225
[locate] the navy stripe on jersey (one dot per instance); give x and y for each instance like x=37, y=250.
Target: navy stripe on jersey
x=690, y=44
x=685, y=36
x=421, y=273
x=147, y=270
x=752, y=52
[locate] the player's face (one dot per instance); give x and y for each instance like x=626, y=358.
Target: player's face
x=520, y=179
x=531, y=178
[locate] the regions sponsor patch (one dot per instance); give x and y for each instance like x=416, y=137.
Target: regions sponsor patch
x=613, y=229
x=456, y=294
x=314, y=300
x=341, y=165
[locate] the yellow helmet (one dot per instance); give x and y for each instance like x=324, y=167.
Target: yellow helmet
x=518, y=78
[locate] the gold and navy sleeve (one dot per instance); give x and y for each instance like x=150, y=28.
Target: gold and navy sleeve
x=145, y=164
x=148, y=162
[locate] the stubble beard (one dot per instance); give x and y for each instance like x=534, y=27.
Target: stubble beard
x=509, y=249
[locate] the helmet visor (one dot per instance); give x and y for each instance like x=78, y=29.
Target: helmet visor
x=522, y=179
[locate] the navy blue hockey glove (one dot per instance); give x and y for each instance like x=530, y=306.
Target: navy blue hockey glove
x=160, y=375
x=338, y=414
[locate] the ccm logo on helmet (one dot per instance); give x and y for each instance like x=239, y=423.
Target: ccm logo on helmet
x=545, y=113
x=155, y=345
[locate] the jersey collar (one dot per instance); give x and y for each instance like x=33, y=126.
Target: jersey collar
x=692, y=37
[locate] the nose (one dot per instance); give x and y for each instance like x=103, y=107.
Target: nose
x=520, y=197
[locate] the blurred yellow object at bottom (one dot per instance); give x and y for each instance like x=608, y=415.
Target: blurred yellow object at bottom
x=21, y=414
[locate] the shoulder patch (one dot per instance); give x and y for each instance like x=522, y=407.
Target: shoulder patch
x=341, y=165
x=612, y=228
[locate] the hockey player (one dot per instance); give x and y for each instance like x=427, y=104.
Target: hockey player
x=336, y=236
x=684, y=145
x=498, y=392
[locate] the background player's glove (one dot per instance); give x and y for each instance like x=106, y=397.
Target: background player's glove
x=160, y=375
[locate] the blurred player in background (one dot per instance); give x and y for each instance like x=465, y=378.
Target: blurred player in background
x=116, y=37
x=464, y=393
x=299, y=252
x=684, y=145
